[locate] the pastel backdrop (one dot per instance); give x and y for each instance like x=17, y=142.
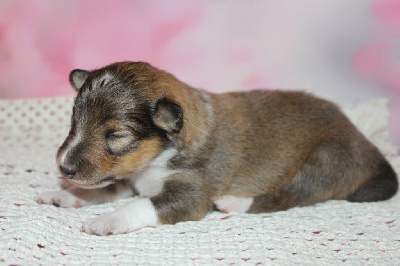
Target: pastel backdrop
x=346, y=51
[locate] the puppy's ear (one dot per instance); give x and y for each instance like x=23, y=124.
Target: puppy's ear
x=78, y=77
x=168, y=115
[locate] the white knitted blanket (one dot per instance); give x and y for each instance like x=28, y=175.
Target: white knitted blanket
x=333, y=232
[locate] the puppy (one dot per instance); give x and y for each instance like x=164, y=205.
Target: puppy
x=137, y=130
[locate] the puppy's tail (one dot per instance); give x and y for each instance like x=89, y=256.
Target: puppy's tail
x=381, y=186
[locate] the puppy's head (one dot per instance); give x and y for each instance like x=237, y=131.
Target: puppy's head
x=121, y=120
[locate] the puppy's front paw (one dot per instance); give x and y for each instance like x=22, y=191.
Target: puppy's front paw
x=60, y=198
x=134, y=215
x=106, y=224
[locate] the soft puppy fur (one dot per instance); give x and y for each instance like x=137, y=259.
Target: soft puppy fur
x=137, y=130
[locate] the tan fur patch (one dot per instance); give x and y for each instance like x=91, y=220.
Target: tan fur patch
x=138, y=158
x=107, y=162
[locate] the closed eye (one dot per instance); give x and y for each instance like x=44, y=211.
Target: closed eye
x=116, y=135
x=120, y=143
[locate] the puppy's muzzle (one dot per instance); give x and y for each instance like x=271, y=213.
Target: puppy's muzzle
x=67, y=172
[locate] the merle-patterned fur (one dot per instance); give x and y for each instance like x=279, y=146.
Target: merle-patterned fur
x=282, y=148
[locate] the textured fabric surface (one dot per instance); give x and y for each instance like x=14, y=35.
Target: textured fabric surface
x=327, y=233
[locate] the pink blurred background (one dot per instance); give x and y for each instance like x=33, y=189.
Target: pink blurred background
x=346, y=51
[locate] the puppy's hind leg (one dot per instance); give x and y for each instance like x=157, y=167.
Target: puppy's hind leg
x=271, y=203
x=381, y=186
x=324, y=175
x=332, y=172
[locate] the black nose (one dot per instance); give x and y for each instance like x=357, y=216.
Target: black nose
x=67, y=172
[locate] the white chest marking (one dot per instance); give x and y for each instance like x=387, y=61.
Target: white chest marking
x=149, y=181
x=229, y=203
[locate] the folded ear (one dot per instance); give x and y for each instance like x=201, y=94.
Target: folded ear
x=168, y=115
x=78, y=77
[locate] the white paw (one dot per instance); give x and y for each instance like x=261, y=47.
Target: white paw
x=229, y=203
x=107, y=224
x=134, y=215
x=60, y=198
